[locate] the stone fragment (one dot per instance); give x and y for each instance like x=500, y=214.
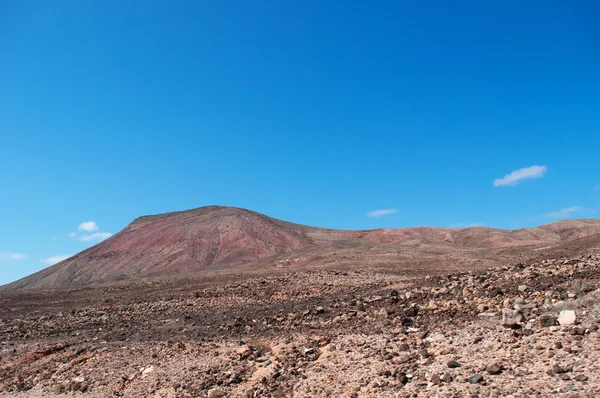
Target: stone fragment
x=578, y=331
x=511, y=319
x=567, y=317
x=435, y=379
x=547, y=320
x=402, y=377
x=557, y=369
x=446, y=378
x=453, y=364
x=494, y=368
x=475, y=379
x=148, y=370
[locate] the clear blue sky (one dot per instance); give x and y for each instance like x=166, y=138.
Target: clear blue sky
x=314, y=112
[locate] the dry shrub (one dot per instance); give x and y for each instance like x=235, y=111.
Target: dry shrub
x=217, y=393
x=260, y=347
x=59, y=389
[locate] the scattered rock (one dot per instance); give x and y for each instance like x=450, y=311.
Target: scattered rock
x=494, y=368
x=147, y=371
x=475, y=379
x=402, y=377
x=79, y=379
x=547, y=320
x=446, y=377
x=511, y=318
x=567, y=317
x=557, y=369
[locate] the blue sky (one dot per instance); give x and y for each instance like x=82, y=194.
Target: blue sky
x=349, y=115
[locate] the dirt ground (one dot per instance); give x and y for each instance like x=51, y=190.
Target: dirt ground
x=313, y=333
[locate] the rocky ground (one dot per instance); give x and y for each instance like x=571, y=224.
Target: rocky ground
x=524, y=330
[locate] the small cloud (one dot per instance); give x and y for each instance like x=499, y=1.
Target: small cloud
x=4, y=256
x=54, y=237
x=466, y=225
x=517, y=176
x=88, y=226
x=565, y=213
x=99, y=236
x=381, y=212
x=55, y=259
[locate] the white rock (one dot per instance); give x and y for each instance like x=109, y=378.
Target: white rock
x=567, y=317
x=148, y=370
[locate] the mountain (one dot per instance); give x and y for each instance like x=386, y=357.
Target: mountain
x=216, y=238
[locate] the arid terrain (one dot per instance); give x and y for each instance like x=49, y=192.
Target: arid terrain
x=221, y=302
x=215, y=238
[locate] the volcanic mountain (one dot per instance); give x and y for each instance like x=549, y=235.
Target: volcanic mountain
x=217, y=238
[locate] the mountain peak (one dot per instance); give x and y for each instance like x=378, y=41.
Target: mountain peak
x=218, y=237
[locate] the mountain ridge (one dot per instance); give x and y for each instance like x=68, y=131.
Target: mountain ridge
x=218, y=237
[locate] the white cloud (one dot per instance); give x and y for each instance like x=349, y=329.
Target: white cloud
x=517, y=176
x=4, y=256
x=381, y=212
x=466, y=225
x=55, y=259
x=566, y=212
x=99, y=236
x=88, y=226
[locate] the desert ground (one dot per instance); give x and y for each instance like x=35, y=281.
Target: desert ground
x=346, y=320
x=320, y=333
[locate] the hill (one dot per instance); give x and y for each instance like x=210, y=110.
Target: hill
x=217, y=238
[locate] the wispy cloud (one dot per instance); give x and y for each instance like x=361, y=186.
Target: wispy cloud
x=88, y=226
x=466, y=225
x=6, y=256
x=55, y=259
x=520, y=175
x=381, y=212
x=99, y=236
x=564, y=213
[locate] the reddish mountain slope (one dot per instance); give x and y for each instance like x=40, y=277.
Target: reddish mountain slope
x=172, y=244
x=214, y=237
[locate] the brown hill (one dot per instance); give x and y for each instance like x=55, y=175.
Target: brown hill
x=216, y=238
